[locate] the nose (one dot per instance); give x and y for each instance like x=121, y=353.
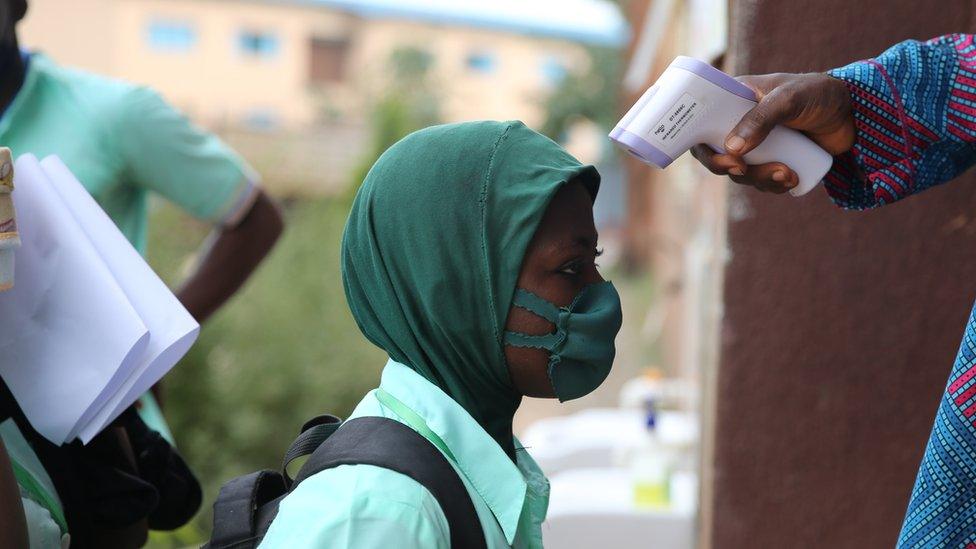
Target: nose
x=593, y=276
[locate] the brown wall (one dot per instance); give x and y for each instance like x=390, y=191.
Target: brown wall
x=840, y=328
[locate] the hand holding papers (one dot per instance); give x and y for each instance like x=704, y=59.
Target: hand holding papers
x=8, y=223
x=89, y=326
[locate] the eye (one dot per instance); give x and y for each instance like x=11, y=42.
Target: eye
x=575, y=266
x=572, y=268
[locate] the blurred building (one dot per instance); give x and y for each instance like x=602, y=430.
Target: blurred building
x=293, y=63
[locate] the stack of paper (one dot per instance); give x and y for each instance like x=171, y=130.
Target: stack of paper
x=88, y=327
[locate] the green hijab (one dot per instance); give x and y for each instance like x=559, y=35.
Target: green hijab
x=433, y=247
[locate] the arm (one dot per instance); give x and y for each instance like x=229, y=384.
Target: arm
x=231, y=255
x=914, y=108
x=169, y=155
x=13, y=523
x=896, y=125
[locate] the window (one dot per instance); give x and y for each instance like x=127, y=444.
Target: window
x=257, y=44
x=553, y=71
x=327, y=59
x=171, y=36
x=482, y=62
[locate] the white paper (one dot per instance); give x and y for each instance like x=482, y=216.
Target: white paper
x=89, y=326
x=172, y=330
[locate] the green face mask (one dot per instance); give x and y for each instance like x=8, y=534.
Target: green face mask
x=581, y=349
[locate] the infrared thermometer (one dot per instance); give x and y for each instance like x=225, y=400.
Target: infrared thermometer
x=692, y=103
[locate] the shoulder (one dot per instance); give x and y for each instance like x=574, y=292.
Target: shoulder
x=362, y=485
x=103, y=99
x=86, y=87
x=365, y=503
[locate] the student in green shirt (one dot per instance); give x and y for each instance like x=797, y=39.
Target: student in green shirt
x=125, y=144
x=469, y=257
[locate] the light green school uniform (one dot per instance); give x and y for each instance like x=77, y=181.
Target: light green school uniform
x=364, y=506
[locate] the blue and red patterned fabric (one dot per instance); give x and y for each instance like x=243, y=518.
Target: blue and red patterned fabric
x=915, y=112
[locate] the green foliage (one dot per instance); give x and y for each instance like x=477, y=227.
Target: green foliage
x=591, y=94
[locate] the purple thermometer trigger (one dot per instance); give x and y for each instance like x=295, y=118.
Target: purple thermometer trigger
x=714, y=76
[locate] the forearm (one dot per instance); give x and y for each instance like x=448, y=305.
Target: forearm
x=914, y=109
x=230, y=256
x=13, y=524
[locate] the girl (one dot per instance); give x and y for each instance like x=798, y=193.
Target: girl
x=469, y=257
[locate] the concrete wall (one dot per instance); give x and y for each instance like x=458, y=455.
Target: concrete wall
x=840, y=328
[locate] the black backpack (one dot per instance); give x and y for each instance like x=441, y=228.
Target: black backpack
x=247, y=505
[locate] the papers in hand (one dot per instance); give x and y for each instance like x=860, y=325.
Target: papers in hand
x=89, y=327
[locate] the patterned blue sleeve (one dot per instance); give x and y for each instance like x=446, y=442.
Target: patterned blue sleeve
x=915, y=113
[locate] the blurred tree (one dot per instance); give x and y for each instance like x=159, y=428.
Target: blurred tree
x=589, y=94
x=408, y=104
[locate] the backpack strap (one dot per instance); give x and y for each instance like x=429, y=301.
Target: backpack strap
x=389, y=444
x=245, y=506
x=234, y=509
x=314, y=433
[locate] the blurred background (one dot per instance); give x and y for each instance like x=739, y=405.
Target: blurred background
x=776, y=376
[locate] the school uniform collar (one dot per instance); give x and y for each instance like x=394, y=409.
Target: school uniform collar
x=501, y=483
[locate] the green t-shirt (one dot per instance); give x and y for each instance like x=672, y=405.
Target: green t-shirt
x=123, y=141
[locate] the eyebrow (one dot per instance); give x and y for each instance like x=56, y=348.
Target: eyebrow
x=582, y=242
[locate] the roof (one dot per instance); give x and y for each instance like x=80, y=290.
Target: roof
x=597, y=22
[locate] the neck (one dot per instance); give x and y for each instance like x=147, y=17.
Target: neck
x=500, y=428
x=12, y=73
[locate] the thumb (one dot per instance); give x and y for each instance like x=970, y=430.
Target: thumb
x=775, y=107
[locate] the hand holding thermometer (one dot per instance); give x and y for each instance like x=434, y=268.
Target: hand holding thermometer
x=692, y=103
